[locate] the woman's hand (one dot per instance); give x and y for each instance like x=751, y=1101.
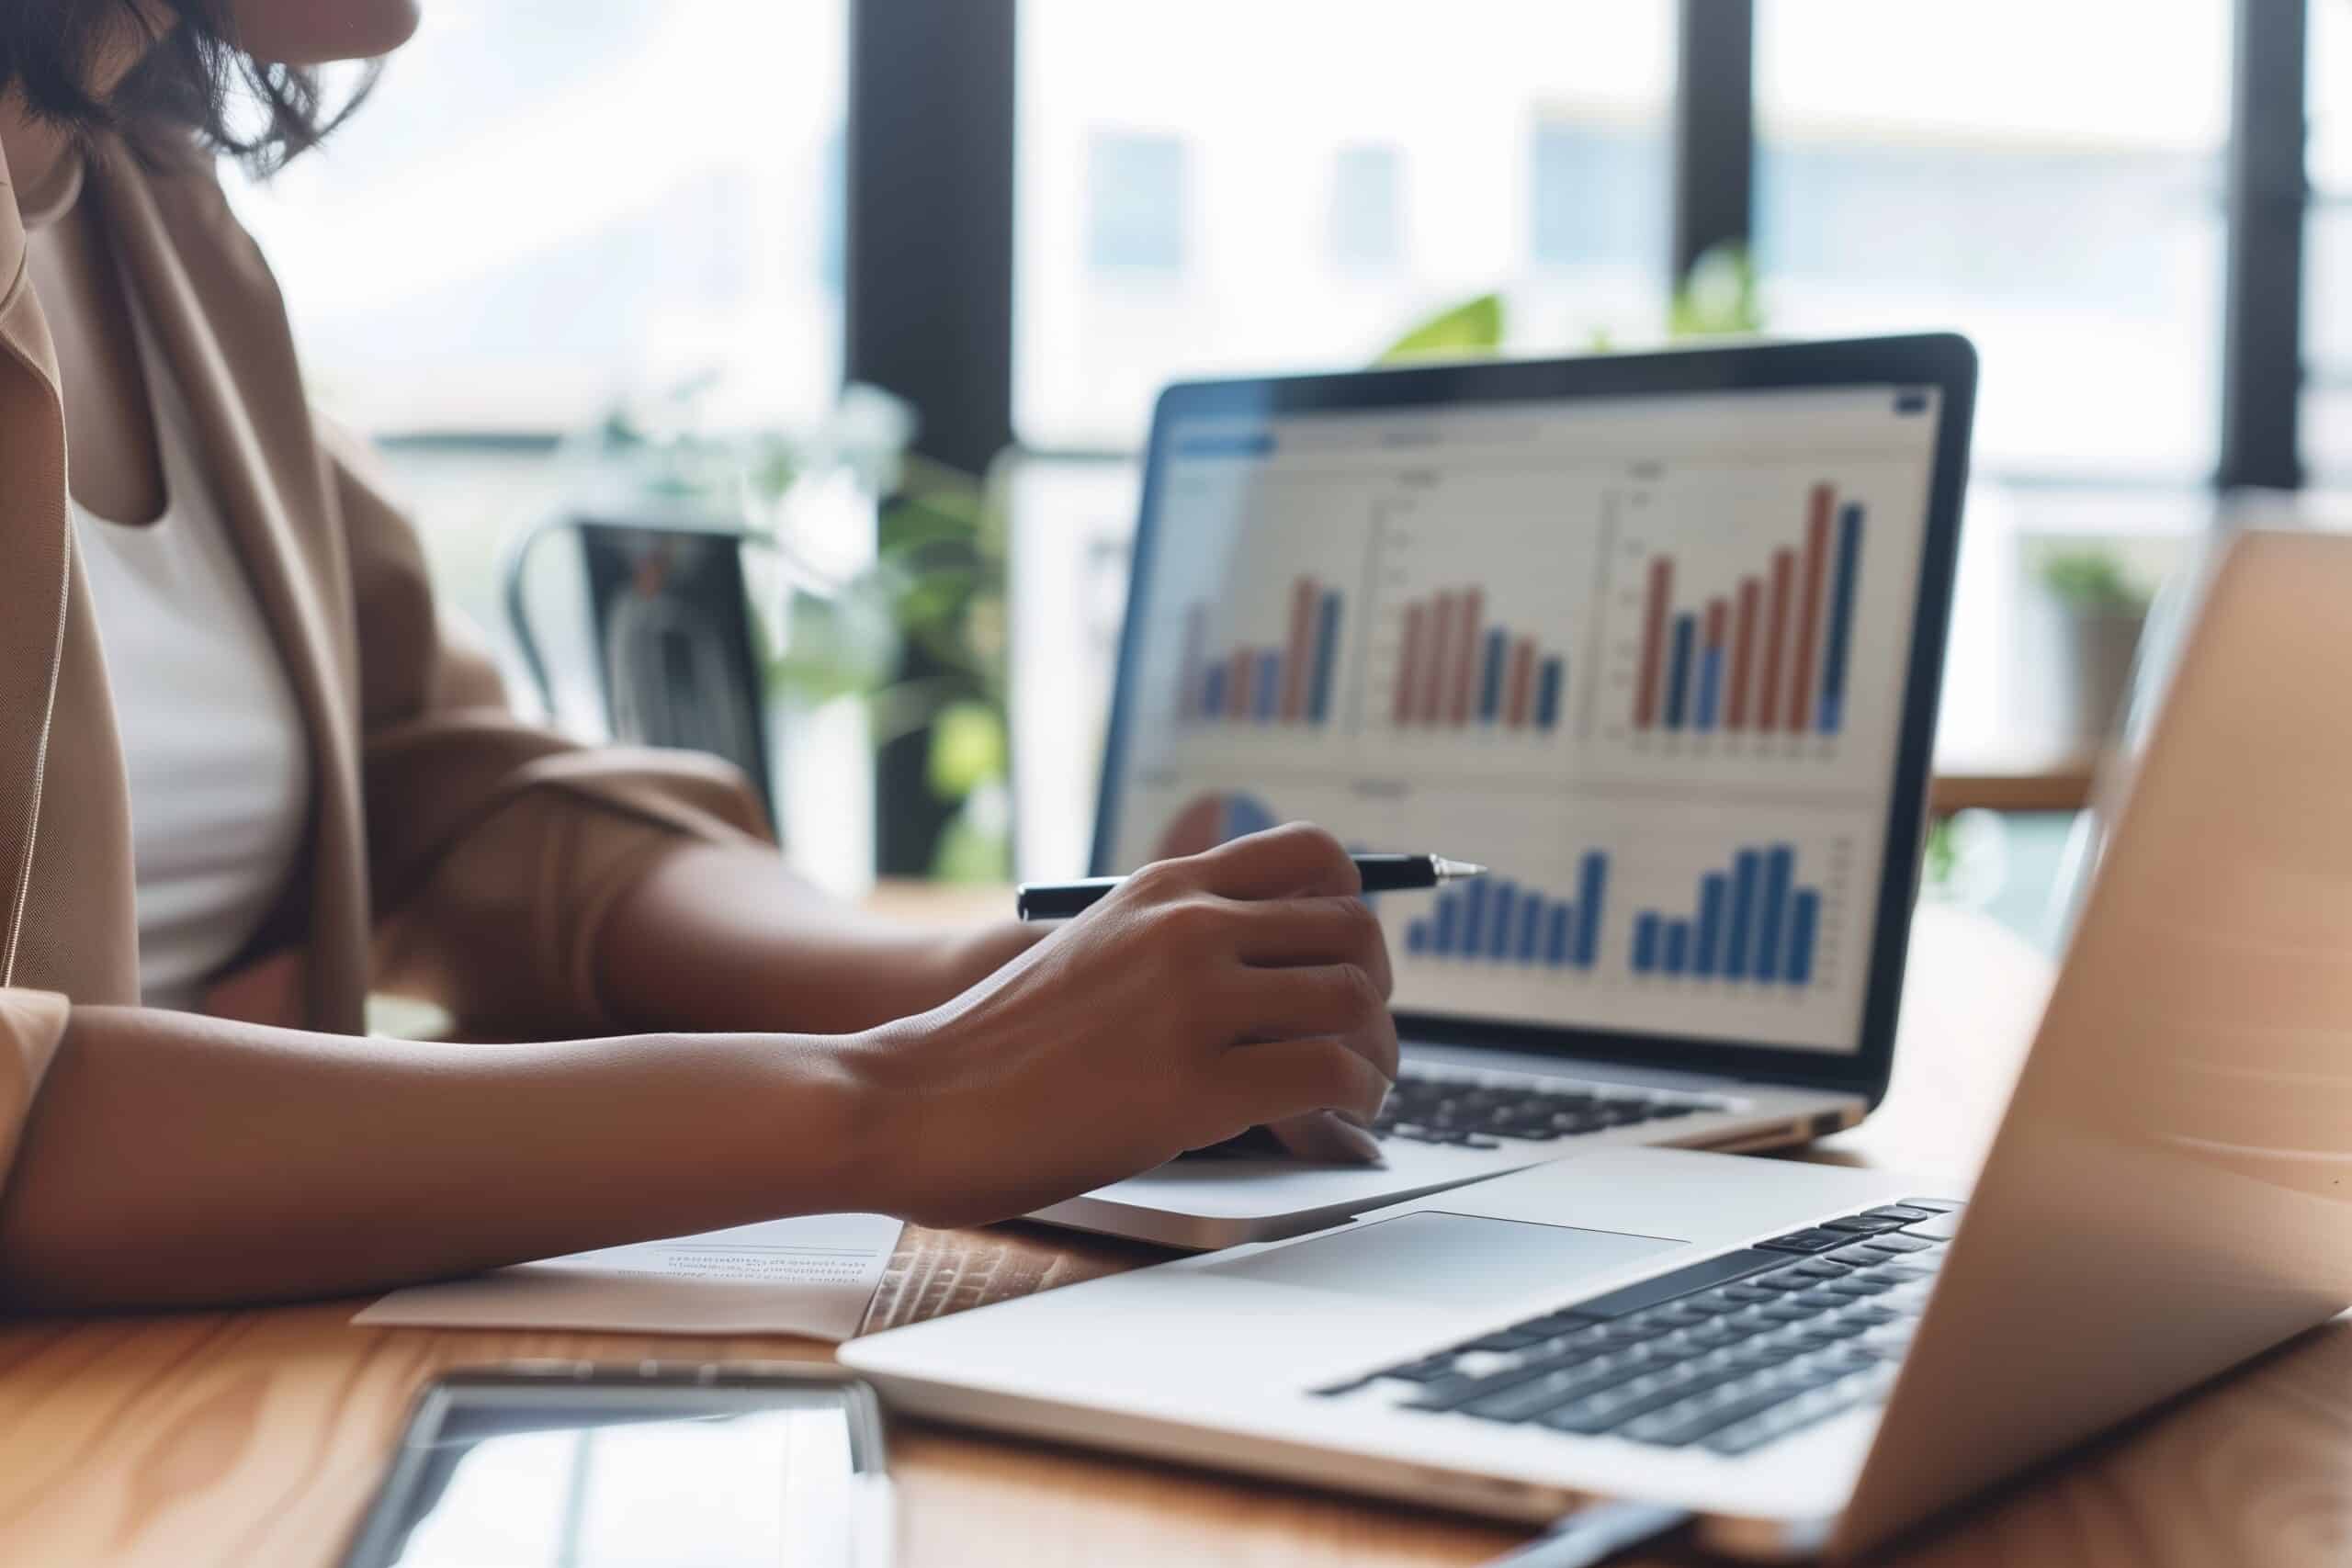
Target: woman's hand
x=1207, y=996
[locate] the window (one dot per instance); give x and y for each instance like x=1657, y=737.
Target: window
x=1219, y=186
x=2327, y=249
x=1135, y=191
x=550, y=204
x=1592, y=196
x=1367, y=208
x=1919, y=166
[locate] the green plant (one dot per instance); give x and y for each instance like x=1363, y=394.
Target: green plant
x=1720, y=296
x=1940, y=862
x=1473, y=329
x=936, y=588
x=2092, y=581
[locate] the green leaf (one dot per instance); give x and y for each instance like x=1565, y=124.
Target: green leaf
x=1470, y=329
x=968, y=749
x=1719, y=296
x=2092, y=581
x=968, y=853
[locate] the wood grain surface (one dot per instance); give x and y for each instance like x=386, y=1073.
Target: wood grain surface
x=254, y=1437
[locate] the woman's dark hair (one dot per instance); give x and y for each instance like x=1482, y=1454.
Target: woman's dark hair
x=194, y=79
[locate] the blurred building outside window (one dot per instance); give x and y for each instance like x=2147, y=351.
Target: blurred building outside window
x=1367, y=232
x=2327, y=249
x=2046, y=178
x=1297, y=185
x=2049, y=180
x=1136, y=206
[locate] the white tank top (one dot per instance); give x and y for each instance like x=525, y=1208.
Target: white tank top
x=220, y=766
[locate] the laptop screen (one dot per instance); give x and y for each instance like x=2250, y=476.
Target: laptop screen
x=1645, y=657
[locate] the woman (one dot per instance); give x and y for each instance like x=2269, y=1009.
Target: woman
x=245, y=778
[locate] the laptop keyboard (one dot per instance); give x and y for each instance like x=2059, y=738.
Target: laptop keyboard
x=1479, y=1116
x=1729, y=1354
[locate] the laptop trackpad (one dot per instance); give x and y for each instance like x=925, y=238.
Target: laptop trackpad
x=1445, y=1260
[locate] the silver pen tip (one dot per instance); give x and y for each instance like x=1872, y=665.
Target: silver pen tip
x=1455, y=870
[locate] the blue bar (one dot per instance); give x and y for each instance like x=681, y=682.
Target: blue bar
x=1711, y=687
x=1547, y=692
x=1592, y=888
x=1646, y=933
x=1473, y=916
x=1270, y=681
x=1713, y=890
x=1748, y=868
x=1490, y=687
x=1449, y=914
x=1531, y=928
x=1327, y=639
x=1212, y=693
x=1677, y=947
x=1417, y=937
x=1803, y=923
x=1832, y=711
x=1677, y=686
x=1555, y=936
x=1498, y=926
x=1780, y=868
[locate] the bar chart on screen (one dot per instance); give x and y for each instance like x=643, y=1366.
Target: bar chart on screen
x=1497, y=920
x=1485, y=589
x=1760, y=920
x=1456, y=665
x=1743, y=638
x=1288, y=681
x=1648, y=916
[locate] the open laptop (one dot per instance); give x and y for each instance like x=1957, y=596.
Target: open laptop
x=1813, y=1357
x=1658, y=637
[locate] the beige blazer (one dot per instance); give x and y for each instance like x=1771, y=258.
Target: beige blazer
x=452, y=851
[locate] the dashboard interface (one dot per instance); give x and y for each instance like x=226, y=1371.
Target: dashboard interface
x=1644, y=657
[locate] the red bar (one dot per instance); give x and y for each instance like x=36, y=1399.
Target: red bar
x=1241, y=683
x=1743, y=651
x=1718, y=623
x=1188, y=698
x=1434, y=665
x=1776, y=630
x=1300, y=656
x=1523, y=682
x=1816, y=566
x=1408, y=671
x=1471, y=610
x=1652, y=642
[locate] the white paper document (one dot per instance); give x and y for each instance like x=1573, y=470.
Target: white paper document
x=811, y=1276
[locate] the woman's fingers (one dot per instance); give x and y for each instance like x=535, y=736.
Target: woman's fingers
x=1292, y=860
x=1325, y=1137
x=1290, y=1077
x=1336, y=1001
x=1275, y=933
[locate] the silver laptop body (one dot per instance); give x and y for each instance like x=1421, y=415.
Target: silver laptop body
x=1658, y=637
x=2165, y=1199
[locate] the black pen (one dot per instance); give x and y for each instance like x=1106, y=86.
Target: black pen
x=1382, y=874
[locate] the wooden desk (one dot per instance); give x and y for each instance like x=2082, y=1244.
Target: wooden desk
x=252, y=1438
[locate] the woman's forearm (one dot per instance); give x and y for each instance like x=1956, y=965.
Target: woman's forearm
x=177, y=1160
x=721, y=937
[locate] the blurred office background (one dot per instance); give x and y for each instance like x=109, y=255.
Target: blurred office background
x=575, y=249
